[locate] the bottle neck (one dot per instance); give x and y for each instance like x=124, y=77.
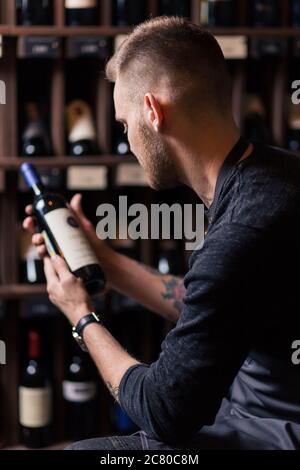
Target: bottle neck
x=38, y=189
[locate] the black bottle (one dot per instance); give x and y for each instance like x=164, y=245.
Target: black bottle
x=81, y=12
x=62, y=232
x=217, y=13
x=265, y=13
x=293, y=131
x=295, y=13
x=35, y=137
x=128, y=12
x=255, y=124
x=35, y=397
x=80, y=393
x=175, y=7
x=34, y=12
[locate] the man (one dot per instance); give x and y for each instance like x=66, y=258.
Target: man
x=224, y=378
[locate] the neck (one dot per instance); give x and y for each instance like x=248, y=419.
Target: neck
x=202, y=155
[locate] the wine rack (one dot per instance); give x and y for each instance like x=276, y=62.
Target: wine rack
x=254, y=69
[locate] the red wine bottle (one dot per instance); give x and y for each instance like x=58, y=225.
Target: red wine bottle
x=62, y=232
x=80, y=392
x=35, y=398
x=34, y=12
x=81, y=12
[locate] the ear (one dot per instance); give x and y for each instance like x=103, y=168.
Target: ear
x=154, y=113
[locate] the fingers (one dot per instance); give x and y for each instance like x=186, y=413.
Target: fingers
x=50, y=272
x=29, y=209
x=41, y=251
x=38, y=239
x=60, y=267
x=29, y=224
x=75, y=205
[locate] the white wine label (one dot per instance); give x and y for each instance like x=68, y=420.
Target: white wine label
x=131, y=174
x=72, y=243
x=80, y=3
x=87, y=177
x=35, y=406
x=233, y=47
x=79, y=392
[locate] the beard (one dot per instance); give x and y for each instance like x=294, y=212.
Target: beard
x=157, y=160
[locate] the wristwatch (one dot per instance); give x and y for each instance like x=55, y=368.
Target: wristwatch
x=77, y=330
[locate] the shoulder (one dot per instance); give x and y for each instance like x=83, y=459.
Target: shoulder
x=267, y=189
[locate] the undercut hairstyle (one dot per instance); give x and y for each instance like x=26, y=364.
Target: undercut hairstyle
x=185, y=57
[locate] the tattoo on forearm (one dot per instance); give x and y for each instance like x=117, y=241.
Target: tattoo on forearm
x=175, y=291
x=113, y=390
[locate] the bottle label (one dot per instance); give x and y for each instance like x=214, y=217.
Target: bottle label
x=35, y=406
x=72, y=243
x=80, y=3
x=79, y=392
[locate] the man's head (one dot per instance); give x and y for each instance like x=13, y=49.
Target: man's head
x=166, y=73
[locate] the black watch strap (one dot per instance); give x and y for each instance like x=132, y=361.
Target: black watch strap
x=86, y=320
x=77, y=330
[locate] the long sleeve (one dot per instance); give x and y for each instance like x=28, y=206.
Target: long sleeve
x=172, y=398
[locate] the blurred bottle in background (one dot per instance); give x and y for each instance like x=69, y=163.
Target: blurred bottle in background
x=81, y=129
x=255, y=123
x=35, y=140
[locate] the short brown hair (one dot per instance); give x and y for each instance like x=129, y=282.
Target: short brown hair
x=176, y=48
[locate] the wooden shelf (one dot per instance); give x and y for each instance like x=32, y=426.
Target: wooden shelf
x=256, y=32
x=65, y=31
x=13, y=163
x=6, y=30
x=14, y=291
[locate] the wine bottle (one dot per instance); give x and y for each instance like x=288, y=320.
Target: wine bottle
x=35, y=398
x=265, y=13
x=255, y=125
x=128, y=12
x=31, y=265
x=81, y=12
x=168, y=259
x=62, y=232
x=81, y=129
x=35, y=137
x=217, y=13
x=80, y=393
x=295, y=13
x=34, y=12
x=293, y=132
x=175, y=7
x=120, y=140
x=127, y=314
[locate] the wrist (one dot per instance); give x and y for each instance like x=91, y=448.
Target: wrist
x=80, y=311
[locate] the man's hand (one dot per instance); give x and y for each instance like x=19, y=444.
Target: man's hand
x=66, y=291
x=29, y=224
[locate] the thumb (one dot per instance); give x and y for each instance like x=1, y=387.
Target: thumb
x=75, y=205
